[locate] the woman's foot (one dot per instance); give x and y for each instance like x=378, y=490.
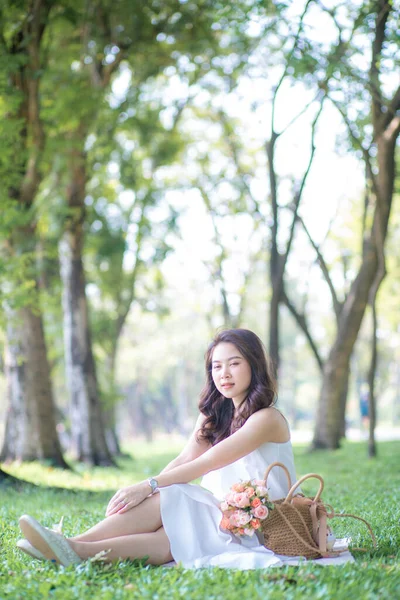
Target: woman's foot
x=52, y=545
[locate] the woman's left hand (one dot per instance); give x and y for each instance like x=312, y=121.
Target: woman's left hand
x=127, y=498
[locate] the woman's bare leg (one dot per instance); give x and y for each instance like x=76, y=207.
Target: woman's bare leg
x=144, y=518
x=154, y=545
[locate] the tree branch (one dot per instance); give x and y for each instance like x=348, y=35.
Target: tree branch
x=384, y=8
x=299, y=114
x=302, y=322
x=287, y=64
x=393, y=129
x=29, y=42
x=324, y=268
x=273, y=184
x=391, y=109
x=221, y=257
x=236, y=158
x=298, y=195
x=358, y=143
x=124, y=306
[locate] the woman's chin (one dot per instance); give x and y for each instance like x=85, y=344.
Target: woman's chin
x=227, y=394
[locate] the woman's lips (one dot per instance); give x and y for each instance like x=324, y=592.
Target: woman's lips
x=227, y=385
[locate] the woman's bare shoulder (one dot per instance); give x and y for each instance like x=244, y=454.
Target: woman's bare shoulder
x=273, y=420
x=201, y=417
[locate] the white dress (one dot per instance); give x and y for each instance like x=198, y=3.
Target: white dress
x=191, y=515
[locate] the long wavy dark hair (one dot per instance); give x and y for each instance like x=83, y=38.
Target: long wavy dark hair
x=220, y=421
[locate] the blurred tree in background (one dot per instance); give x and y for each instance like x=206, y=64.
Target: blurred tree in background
x=160, y=168
x=30, y=426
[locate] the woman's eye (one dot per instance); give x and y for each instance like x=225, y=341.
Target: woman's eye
x=234, y=364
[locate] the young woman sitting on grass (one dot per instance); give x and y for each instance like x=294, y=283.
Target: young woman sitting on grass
x=237, y=435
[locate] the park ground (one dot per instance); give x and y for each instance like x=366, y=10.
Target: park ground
x=354, y=483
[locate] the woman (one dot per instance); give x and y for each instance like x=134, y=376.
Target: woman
x=238, y=433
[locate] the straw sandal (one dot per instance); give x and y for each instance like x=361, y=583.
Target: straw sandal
x=53, y=546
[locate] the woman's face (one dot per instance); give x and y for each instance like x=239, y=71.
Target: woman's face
x=231, y=372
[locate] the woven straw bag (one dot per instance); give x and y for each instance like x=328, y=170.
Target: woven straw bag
x=297, y=525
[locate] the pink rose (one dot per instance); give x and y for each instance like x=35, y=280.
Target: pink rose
x=224, y=506
x=256, y=502
x=241, y=500
x=250, y=491
x=255, y=523
x=230, y=497
x=238, y=487
x=262, y=491
x=243, y=518
x=234, y=519
x=261, y=512
x=249, y=531
x=239, y=518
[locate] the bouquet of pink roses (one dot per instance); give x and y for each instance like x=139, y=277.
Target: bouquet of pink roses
x=245, y=506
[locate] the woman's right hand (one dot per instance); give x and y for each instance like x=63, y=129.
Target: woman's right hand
x=127, y=498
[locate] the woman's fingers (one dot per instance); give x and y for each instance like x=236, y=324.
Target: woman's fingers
x=125, y=508
x=117, y=502
x=127, y=498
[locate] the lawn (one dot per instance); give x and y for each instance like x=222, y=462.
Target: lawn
x=369, y=488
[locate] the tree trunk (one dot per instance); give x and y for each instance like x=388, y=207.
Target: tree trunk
x=31, y=425
x=88, y=432
x=343, y=406
x=372, y=450
x=327, y=432
x=111, y=432
x=328, y=427
x=88, y=435
x=30, y=430
x=274, y=325
x=279, y=260
x=182, y=396
x=275, y=273
x=110, y=419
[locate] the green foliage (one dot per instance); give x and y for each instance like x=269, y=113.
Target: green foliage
x=373, y=494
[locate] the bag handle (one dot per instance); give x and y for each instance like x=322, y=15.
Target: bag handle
x=277, y=464
x=301, y=480
x=333, y=515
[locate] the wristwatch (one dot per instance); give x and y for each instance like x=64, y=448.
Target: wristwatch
x=153, y=483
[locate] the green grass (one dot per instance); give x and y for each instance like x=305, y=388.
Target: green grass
x=369, y=488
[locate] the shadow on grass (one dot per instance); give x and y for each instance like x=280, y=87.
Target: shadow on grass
x=34, y=476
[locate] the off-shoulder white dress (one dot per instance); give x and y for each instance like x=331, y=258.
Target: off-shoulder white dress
x=191, y=515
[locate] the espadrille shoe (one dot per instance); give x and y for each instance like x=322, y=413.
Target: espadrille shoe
x=52, y=545
x=27, y=547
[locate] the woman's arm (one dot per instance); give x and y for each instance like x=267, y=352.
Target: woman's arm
x=192, y=450
x=266, y=425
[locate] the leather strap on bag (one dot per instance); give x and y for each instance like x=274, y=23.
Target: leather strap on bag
x=319, y=523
